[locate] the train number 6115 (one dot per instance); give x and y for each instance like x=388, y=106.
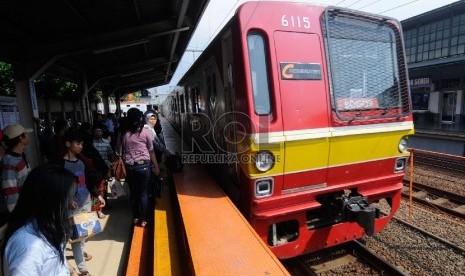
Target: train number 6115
x=295, y=21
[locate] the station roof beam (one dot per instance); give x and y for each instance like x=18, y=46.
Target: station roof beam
x=116, y=43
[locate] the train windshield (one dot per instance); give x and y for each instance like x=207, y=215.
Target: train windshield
x=366, y=64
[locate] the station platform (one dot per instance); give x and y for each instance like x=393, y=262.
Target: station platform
x=438, y=141
x=215, y=239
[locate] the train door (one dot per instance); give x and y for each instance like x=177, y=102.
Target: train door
x=229, y=132
x=304, y=110
x=449, y=103
x=197, y=123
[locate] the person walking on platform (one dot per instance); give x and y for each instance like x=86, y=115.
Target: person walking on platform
x=14, y=165
x=141, y=163
x=96, y=170
x=81, y=201
x=101, y=144
x=39, y=228
x=151, y=120
x=158, y=128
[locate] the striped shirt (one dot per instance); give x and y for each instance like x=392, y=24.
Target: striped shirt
x=103, y=147
x=14, y=172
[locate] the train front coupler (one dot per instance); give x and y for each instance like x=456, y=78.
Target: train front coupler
x=357, y=209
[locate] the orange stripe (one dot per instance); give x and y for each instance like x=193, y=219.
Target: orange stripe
x=137, y=261
x=213, y=242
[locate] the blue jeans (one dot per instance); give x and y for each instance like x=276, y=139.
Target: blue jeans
x=139, y=178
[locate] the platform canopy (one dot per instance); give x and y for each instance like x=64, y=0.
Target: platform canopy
x=118, y=45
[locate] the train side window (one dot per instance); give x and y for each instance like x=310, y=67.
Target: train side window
x=230, y=76
x=195, y=100
x=188, y=105
x=213, y=87
x=182, y=105
x=259, y=74
x=200, y=101
x=176, y=103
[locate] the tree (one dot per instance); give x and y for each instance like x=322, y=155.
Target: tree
x=7, y=80
x=56, y=88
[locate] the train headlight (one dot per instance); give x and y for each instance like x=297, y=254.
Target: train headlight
x=403, y=144
x=264, y=161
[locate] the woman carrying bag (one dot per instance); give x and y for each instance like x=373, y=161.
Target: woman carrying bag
x=141, y=164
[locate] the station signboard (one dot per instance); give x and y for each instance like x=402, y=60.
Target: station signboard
x=9, y=111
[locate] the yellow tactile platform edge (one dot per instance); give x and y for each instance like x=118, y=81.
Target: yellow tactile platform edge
x=166, y=252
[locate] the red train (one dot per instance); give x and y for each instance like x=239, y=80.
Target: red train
x=302, y=113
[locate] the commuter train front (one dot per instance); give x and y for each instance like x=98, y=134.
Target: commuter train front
x=302, y=112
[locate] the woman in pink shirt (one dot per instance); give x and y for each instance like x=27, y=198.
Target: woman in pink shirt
x=141, y=164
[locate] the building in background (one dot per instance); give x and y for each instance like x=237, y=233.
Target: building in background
x=435, y=52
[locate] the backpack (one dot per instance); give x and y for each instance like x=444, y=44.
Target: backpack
x=93, y=175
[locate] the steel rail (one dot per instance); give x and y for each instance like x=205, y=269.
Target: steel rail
x=363, y=252
x=431, y=235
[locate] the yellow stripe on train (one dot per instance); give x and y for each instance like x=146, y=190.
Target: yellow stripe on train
x=313, y=149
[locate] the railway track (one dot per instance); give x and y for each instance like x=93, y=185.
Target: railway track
x=347, y=256
x=459, y=249
x=439, y=160
x=447, y=202
x=419, y=250
x=352, y=259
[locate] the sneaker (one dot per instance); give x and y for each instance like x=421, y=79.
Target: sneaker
x=101, y=215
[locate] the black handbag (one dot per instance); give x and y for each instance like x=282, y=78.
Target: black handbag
x=159, y=182
x=174, y=162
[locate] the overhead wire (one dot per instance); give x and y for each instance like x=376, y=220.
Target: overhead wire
x=222, y=22
x=353, y=3
x=367, y=5
x=399, y=6
x=209, y=39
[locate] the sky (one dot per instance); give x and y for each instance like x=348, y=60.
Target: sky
x=218, y=13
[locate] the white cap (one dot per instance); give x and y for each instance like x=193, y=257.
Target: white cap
x=13, y=131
